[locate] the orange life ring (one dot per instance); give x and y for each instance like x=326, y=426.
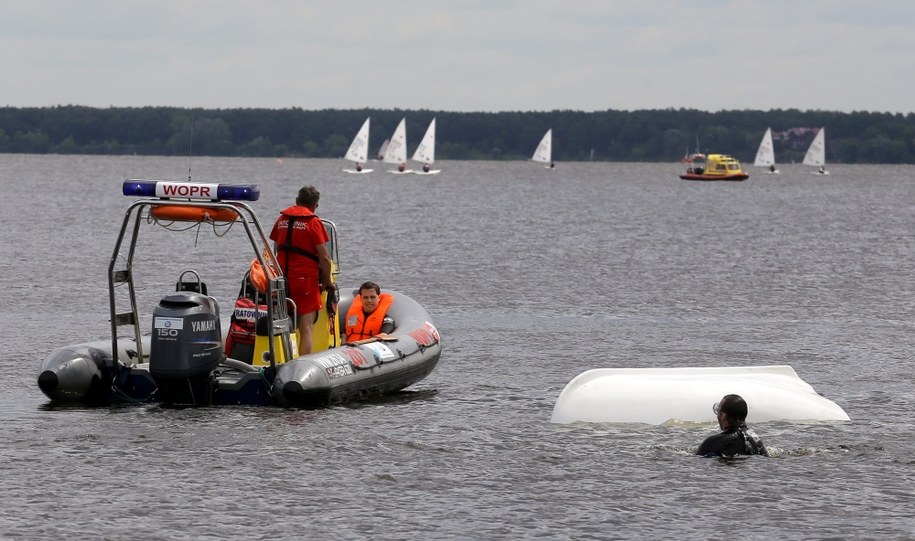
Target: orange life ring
x=181, y=213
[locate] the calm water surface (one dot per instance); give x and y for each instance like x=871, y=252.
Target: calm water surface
x=532, y=277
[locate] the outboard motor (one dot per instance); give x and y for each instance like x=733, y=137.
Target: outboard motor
x=186, y=347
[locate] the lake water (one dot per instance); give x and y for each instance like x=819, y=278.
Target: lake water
x=532, y=276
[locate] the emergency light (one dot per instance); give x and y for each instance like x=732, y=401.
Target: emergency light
x=167, y=189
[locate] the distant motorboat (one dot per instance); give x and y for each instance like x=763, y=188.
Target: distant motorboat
x=690, y=157
x=714, y=167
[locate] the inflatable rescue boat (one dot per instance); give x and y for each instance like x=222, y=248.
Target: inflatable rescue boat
x=188, y=357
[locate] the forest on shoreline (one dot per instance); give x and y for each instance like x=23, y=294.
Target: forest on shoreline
x=659, y=135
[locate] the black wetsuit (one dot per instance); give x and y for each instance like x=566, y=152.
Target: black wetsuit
x=731, y=442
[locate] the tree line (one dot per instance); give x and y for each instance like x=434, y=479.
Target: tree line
x=658, y=135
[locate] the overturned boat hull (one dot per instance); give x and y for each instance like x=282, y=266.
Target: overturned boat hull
x=662, y=395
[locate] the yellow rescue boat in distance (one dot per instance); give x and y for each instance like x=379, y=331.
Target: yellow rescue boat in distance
x=715, y=167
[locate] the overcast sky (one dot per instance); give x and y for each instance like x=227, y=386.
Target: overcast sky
x=461, y=55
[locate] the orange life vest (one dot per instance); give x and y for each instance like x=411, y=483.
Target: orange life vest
x=360, y=327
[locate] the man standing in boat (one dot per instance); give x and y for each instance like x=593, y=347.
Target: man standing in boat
x=735, y=438
x=368, y=314
x=301, y=250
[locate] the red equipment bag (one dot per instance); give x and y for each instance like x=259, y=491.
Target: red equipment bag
x=249, y=306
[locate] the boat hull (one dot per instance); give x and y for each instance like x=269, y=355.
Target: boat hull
x=355, y=372
x=695, y=176
x=663, y=395
x=714, y=167
x=86, y=374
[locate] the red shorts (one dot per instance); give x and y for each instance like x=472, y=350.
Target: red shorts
x=306, y=293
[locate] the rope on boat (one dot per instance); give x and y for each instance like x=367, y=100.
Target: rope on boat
x=220, y=229
x=267, y=383
x=127, y=398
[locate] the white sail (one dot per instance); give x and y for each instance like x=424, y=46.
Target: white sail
x=397, y=146
x=544, y=152
x=816, y=154
x=383, y=148
x=765, y=156
x=425, y=152
x=359, y=149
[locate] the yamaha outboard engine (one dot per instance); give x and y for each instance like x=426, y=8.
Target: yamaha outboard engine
x=186, y=347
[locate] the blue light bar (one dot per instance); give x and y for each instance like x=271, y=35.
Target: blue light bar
x=166, y=189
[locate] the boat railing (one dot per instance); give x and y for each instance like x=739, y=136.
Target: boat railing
x=331, y=229
x=196, y=285
x=125, y=249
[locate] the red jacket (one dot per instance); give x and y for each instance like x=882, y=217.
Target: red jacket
x=297, y=255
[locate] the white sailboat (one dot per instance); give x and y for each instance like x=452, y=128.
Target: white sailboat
x=383, y=148
x=544, y=152
x=816, y=154
x=425, y=152
x=765, y=156
x=397, y=149
x=358, y=152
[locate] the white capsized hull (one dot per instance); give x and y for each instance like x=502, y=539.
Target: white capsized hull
x=661, y=395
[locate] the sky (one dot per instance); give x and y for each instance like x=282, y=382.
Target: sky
x=461, y=55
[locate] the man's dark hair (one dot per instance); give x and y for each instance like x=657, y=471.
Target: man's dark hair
x=308, y=196
x=370, y=285
x=735, y=407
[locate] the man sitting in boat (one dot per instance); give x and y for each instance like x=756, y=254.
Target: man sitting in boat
x=402, y=167
x=426, y=168
x=735, y=438
x=358, y=167
x=368, y=314
x=772, y=168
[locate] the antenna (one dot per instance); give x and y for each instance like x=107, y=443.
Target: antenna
x=190, y=149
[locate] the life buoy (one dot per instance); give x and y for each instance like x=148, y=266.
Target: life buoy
x=181, y=213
